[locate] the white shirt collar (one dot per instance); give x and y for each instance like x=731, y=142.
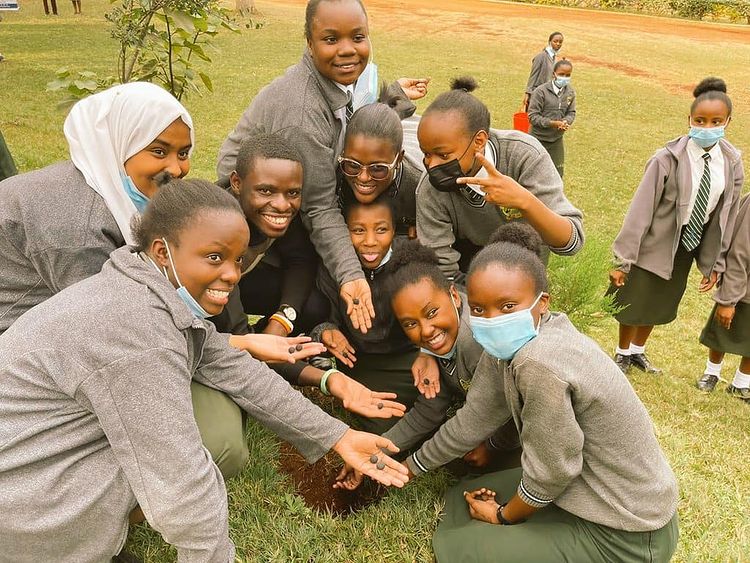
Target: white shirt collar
x=555, y=89
x=349, y=88
x=696, y=152
x=550, y=51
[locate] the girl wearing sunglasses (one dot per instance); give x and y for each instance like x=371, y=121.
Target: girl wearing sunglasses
x=373, y=163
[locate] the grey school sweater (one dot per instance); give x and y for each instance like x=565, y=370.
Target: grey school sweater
x=55, y=230
x=588, y=442
x=306, y=108
x=97, y=416
x=445, y=217
x=546, y=105
x=735, y=282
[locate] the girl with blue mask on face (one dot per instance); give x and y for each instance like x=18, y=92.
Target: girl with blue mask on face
x=593, y=484
x=121, y=141
x=552, y=110
x=110, y=412
x=684, y=210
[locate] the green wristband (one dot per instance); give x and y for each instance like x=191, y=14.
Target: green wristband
x=324, y=381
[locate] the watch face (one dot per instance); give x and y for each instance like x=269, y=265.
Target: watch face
x=289, y=313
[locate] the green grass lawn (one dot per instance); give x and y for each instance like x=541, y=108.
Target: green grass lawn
x=623, y=117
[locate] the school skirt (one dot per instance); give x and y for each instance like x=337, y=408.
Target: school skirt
x=549, y=536
x=556, y=151
x=646, y=299
x=736, y=340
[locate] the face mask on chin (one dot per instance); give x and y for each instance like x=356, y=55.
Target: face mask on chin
x=182, y=291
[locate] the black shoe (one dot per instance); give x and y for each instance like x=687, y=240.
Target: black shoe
x=707, y=382
x=321, y=362
x=742, y=393
x=623, y=362
x=642, y=362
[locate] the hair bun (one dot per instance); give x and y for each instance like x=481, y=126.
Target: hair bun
x=710, y=84
x=412, y=252
x=466, y=83
x=518, y=233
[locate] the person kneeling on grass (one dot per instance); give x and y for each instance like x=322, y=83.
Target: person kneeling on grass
x=99, y=423
x=728, y=327
x=594, y=484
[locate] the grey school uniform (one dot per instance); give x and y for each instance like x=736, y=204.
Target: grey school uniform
x=588, y=448
x=734, y=291
x=447, y=220
x=455, y=379
x=310, y=111
x=549, y=103
x=93, y=427
x=648, y=246
x=542, y=67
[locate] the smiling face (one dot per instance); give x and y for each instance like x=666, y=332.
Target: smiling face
x=443, y=137
x=207, y=256
x=370, y=150
x=270, y=194
x=496, y=290
x=710, y=113
x=427, y=315
x=169, y=152
x=371, y=230
x=339, y=40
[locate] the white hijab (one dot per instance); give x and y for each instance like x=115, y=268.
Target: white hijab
x=106, y=129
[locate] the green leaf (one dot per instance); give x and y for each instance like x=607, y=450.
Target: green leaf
x=206, y=81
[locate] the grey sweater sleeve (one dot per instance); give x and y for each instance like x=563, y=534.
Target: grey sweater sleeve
x=265, y=396
x=424, y=417
x=484, y=411
x=552, y=439
x=640, y=214
x=536, y=110
x=570, y=115
x=736, y=278
x=435, y=227
x=537, y=68
x=145, y=411
x=62, y=267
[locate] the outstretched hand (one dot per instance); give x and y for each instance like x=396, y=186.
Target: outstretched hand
x=358, y=298
x=499, y=189
x=360, y=400
x=426, y=375
x=338, y=345
x=272, y=348
x=364, y=453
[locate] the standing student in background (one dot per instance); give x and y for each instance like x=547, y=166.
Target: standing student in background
x=479, y=178
x=542, y=67
x=728, y=328
x=683, y=210
x=311, y=105
x=552, y=110
x=594, y=484
x=103, y=425
x=7, y=166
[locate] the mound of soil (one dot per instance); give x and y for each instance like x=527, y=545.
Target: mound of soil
x=314, y=483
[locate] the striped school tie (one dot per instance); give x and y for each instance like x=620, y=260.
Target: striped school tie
x=691, y=234
x=349, y=106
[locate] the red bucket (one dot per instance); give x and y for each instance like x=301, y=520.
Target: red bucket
x=521, y=121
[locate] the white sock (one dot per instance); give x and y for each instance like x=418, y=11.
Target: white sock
x=635, y=349
x=741, y=380
x=625, y=352
x=712, y=368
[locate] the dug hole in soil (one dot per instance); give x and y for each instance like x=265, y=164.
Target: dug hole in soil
x=314, y=483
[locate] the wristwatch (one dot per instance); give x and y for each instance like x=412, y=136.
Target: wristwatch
x=288, y=311
x=500, y=518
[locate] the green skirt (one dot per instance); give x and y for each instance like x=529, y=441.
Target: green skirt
x=649, y=300
x=556, y=151
x=551, y=535
x=736, y=340
x=386, y=373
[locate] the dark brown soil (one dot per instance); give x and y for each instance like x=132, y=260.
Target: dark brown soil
x=314, y=483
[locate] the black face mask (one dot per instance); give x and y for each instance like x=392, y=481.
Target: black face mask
x=443, y=176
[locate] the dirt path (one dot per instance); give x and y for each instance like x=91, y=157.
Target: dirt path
x=649, y=24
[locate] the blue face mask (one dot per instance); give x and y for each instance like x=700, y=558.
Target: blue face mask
x=561, y=81
x=452, y=351
x=182, y=291
x=504, y=335
x=706, y=137
x=136, y=196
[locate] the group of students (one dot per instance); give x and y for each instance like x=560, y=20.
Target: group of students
x=128, y=366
